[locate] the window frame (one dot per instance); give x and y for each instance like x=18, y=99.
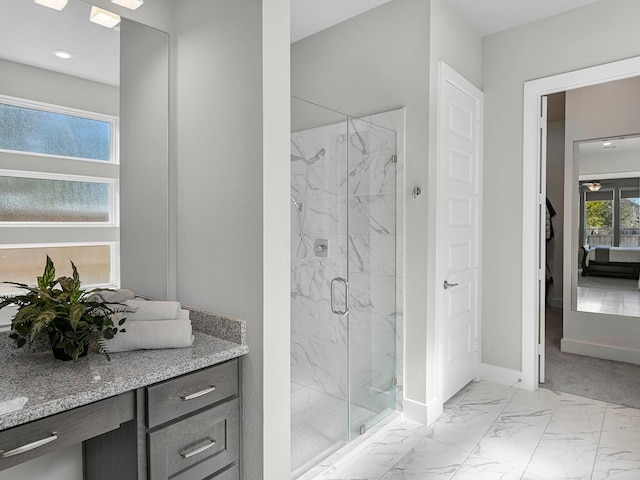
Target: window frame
x=60, y=167
x=114, y=141
x=114, y=200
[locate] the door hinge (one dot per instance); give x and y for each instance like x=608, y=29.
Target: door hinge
x=540, y=350
x=541, y=273
x=541, y=200
x=475, y=346
x=394, y=158
x=478, y=127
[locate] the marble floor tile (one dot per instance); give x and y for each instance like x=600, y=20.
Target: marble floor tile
x=378, y=455
x=513, y=437
x=478, y=468
x=540, y=435
x=564, y=456
x=428, y=460
x=465, y=425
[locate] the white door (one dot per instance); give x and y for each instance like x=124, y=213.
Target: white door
x=542, y=240
x=459, y=167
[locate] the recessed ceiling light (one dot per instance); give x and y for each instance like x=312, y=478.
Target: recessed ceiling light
x=130, y=4
x=55, y=4
x=104, y=17
x=63, y=54
x=606, y=144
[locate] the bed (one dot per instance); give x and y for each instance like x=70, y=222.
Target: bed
x=608, y=261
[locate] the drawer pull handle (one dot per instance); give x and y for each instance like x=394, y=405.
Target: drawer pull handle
x=198, y=394
x=198, y=450
x=29, y=446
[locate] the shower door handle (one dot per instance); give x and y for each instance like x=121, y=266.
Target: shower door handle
x=346, y=296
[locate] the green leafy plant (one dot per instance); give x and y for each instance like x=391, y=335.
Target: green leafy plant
x=59, y=309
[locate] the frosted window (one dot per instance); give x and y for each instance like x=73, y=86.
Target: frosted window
x=45, y=200
x=24, y=265
x=37, y=131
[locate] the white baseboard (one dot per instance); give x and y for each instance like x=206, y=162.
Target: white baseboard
x=596, y=350
x=501, y=375
x=422, y=413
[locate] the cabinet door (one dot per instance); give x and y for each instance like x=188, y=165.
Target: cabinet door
x=196, y=447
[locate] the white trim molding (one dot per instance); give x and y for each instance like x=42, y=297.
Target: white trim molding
x=534, y=90
x=424, y=414
x=500, y=375
x=608, y=352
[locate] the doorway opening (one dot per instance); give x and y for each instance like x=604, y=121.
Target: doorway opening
x=535, y=277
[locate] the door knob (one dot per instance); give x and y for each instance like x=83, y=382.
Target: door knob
x=448, y=285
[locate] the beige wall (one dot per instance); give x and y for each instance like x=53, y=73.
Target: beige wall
x=597, y=33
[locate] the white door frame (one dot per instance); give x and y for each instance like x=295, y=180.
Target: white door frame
x=533, y=91
x=449, y=75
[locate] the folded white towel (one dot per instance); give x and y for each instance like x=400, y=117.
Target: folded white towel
x=107, y=295
x=152, y=310
x=151, y=334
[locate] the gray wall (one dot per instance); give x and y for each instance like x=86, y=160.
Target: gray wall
x=598, y=33
x=232, y=172
x=555, y=194
x=379, y=61
x=144, y=160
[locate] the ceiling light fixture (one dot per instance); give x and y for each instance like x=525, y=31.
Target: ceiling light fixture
x=104, y=17
x=130, y=4
x=55, y=4
x=593, y=186
x=63, y=54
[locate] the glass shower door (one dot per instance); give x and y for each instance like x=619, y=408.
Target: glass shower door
x=319, y=272
x=371, y=186
x=343, y=279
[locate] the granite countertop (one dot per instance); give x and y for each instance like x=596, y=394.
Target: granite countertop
x=52, y=386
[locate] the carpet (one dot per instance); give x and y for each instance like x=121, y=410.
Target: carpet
x=595, y=378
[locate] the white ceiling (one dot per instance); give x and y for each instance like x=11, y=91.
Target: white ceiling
x=29, y=32
x=491, y=16
x=485, y=16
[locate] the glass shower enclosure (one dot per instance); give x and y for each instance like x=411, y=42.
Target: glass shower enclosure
x=343, y=279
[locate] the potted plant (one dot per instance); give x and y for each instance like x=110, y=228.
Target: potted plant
x=59, y=309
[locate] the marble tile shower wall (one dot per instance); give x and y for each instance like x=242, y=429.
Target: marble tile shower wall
x=368, y=192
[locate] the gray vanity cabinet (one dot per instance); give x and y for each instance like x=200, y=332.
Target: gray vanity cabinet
x=193, y=425
x=184, y=428
x=30, y=440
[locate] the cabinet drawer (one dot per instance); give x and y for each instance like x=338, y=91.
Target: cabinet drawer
x=182, y=395
x=231, y=473
x=197, y=446
x=63, y=429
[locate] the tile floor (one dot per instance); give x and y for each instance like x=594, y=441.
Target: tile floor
x=489, y=431
x=602, y=300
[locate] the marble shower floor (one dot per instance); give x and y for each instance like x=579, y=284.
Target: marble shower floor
x=490, y=431
x=318, y=423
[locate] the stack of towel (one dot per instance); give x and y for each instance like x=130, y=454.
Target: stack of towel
x=152, y=324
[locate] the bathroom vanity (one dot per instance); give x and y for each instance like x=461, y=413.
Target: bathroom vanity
x=153, y=414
